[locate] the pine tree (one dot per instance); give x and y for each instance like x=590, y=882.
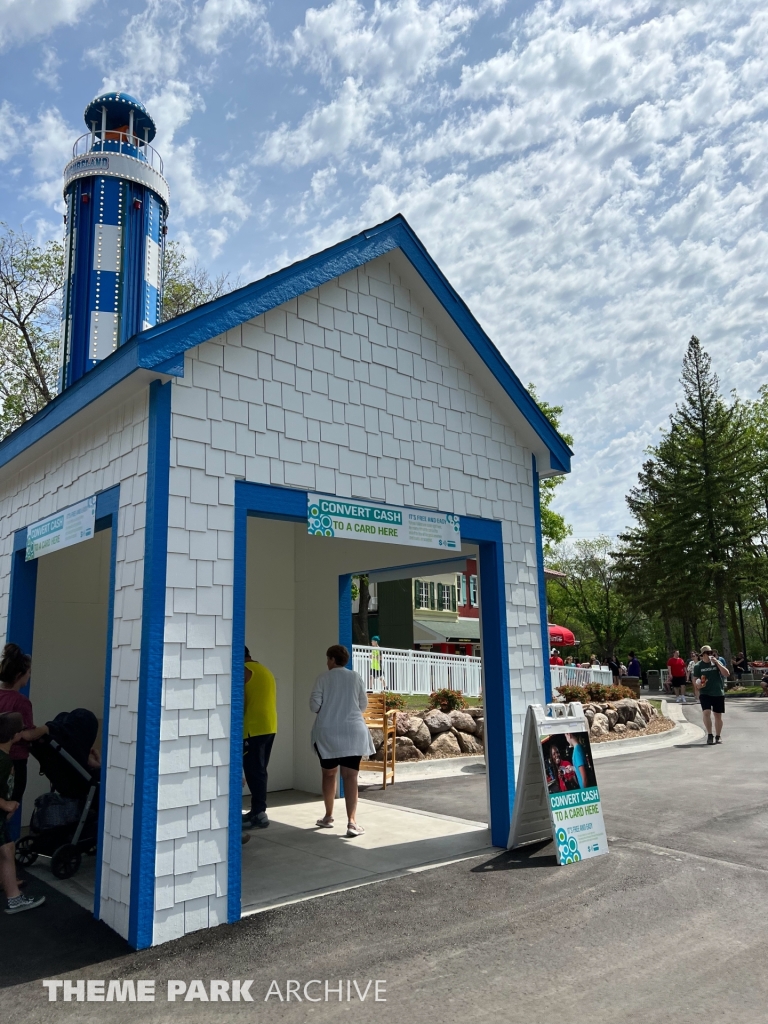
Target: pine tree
x=695, y=504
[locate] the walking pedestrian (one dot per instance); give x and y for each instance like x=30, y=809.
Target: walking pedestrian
x=340, y=735
x=677, y=676
x=633, y=668
x=740, y=665
x=710, y=674
x=259, y=730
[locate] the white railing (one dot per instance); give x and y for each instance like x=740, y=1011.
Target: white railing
x=571, y=675
x=118, y=142
x=408, y=672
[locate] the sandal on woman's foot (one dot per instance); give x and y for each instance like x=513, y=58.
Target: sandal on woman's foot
x=324, y=822
x=353, y=829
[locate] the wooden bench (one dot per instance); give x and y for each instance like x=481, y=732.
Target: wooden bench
x=377, y=717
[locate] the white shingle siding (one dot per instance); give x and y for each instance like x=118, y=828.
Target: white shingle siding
x=350, y=390
x=111, y=451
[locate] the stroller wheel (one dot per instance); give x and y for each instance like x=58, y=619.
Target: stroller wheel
x=65, y=861
x=26, y=854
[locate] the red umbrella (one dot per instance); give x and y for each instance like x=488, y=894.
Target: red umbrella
x=559, y=636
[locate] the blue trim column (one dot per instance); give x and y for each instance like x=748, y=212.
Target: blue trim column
x=542, y=582
x=20, y=624
x=497, y=696
x=151, y=668
x=237, y=706
x=107, y=507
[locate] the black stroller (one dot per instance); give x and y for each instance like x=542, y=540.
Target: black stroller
x=64, y=823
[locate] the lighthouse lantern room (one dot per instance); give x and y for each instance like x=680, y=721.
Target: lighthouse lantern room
x=116, y=208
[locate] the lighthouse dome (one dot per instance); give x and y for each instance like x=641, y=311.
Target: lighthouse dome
x=118, y=106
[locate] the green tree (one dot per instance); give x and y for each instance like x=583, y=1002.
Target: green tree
x=187, y=284
x=30, y=314
x=697, y=517
x=554, y=528
x=589, y=598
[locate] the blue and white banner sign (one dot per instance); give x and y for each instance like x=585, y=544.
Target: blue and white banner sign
x=62, y=529
x=385, y=524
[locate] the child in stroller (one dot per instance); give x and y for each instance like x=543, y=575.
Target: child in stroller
x=64, y=822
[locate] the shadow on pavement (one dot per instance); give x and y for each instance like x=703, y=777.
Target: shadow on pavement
x=533, y=856
x=57, y=938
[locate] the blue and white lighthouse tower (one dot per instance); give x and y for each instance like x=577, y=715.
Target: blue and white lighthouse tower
x=117, y=205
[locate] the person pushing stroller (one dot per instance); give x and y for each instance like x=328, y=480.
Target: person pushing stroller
x=11, y=728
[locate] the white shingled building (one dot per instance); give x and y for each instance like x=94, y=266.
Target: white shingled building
x=207, y=446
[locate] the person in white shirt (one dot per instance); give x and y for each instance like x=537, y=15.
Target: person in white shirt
x=340, y=735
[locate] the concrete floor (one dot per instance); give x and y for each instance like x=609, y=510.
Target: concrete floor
x=79, y=887
x=294, y=860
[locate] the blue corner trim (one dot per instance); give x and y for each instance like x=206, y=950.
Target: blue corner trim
x=237, y=705
x=20, y=623
x=497, y=694
x=107, y=507
x=161, y=348
x=271, y=503
x=542, y=582
x=143, y=851
x=345, y=611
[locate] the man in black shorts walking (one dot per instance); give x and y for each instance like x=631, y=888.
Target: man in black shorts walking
x=709, y=675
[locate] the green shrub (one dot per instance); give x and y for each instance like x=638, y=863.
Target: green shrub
x=395, y=701
x=447, y=700
x=596, y=693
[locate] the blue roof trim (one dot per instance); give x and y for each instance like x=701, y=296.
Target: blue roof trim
x=162, y=348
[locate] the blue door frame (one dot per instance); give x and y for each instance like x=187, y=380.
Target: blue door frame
x=20, y=629
x=273, y=502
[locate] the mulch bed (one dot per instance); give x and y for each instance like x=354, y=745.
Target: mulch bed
x=655, y=725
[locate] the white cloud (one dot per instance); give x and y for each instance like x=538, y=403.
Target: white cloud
x=48, y=72
x=22, y=20
x=217, y=18
x=597, y=191
x=11, y=128
x=369, y=60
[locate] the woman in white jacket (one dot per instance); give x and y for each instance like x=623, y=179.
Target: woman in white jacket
x=340, y=736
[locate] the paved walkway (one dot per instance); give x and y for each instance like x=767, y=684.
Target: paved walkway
x=670, y=926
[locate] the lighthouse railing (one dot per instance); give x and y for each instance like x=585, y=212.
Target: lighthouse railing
x=118, y=142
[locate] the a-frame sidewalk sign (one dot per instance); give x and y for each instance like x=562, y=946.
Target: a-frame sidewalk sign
x=557, y=795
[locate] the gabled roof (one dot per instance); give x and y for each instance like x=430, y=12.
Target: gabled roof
x=161, y=349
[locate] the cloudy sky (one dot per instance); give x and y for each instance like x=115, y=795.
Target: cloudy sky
x=590, y=174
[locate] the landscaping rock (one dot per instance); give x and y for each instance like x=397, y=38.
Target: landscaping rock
x=639, y=721
x=377, y=735
x=469, y=744
x=462, y=722
x=437, y=722
x=599, y=725
x=631, y=727
x=419, y=734
x=403, y=723
x=620, y=728
x=613, y=717
x=480, y=729
x=444, y=745
x=406, y=750
x=475, y=712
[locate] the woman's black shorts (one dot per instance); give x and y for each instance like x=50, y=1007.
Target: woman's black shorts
x=711, y=702
x=345, y=762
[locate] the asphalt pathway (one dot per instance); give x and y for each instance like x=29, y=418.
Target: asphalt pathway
x=670, y=927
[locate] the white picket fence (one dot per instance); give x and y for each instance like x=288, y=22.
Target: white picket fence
x=570, y=675
x=417, y=671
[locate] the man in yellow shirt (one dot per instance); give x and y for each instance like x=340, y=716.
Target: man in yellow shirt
x=259, y=728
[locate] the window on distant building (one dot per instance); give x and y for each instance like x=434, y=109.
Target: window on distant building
x=421, y=594
x=473, y=591
x=461, y=586
x=446, y=597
